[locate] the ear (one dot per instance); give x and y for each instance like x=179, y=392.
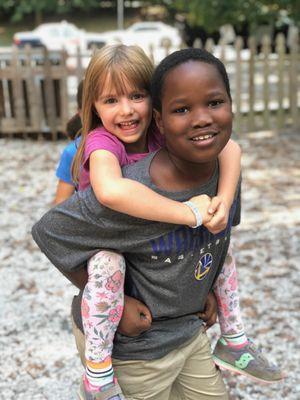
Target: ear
x=158, y=120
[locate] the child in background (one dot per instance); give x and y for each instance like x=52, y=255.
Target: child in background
x=65, y=185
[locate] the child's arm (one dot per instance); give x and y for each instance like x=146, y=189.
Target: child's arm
x=64, y=190
x=230, y=169
x=133, y=198
x=65, y=186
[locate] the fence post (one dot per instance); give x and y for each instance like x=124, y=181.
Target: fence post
x=209, y=45
x=151, y=52
x=49, y=95
x=251, y=84
x=33, y=101
x=79, y=64
x=222, y=44
x=17, y=90
x=266, y=49
x=280, y=49
x=294, y=82
x=238, y=85
x=64, y=101
x=2, y=107
x=182, y=46
x=198, y=43
x=166, y=44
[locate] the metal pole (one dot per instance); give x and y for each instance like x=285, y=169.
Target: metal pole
x=120, y=14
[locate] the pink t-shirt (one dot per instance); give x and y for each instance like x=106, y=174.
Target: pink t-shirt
x=100, y=139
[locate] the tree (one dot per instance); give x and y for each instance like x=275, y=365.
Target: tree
x=18, y=9
x=211, y=14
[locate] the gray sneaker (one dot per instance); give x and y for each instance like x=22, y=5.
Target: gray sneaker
x=111, y=391
x=247, y=360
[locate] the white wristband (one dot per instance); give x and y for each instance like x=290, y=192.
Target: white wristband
x=196, y=212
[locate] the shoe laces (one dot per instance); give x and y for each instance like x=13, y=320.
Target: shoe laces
x=258, y=351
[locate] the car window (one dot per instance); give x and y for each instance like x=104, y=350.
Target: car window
x=68, y=31
x=53, y=32
x=145, y=29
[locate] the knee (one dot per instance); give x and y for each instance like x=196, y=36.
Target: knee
x=107, y=260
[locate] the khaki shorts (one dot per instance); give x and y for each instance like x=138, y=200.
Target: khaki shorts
x=187, y=373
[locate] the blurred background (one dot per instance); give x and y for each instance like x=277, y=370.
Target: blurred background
x=45, y=46
x=194, y=17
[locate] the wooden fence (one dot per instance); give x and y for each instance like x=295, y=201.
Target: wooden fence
x=37, y=88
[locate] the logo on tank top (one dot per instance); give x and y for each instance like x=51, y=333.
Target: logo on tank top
x=203, y=266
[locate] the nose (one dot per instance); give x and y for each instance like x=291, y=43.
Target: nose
x=202, y=118
x=126, y=107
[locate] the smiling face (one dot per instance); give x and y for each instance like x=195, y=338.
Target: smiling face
x=196, y=115
x=126, y=115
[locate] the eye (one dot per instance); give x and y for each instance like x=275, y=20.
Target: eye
x=138, y=96
x=216, y=103
x=181, y=110
x=110, y=100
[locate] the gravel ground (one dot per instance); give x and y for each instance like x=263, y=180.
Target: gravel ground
x=38, y=356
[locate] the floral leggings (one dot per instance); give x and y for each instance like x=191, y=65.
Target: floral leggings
x=103, y=301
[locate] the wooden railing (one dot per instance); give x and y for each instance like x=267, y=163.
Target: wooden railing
x=37, y=88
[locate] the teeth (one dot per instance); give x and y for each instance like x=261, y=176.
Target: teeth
x=127, y=123
x=205, y=137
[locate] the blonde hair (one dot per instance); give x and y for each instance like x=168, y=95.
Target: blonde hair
x=121, y=65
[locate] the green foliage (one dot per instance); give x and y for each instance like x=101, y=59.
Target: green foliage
x=18, y=9
x=211, y=14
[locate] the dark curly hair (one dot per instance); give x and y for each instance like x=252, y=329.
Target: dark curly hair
x=180, y=57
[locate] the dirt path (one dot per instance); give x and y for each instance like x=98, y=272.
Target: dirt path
x=38, y=357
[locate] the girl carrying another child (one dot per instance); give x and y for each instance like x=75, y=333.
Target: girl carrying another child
x=118, y=129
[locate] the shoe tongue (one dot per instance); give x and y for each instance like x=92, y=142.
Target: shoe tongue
x=223, y=341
